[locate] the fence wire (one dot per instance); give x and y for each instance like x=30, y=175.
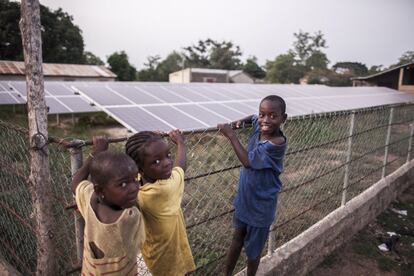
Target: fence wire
x=331, y=158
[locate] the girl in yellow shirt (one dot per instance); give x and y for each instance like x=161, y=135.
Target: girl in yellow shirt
x=166, y=249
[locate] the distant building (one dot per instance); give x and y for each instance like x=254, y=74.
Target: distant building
x=14, y=70
x=399, y=78
x=210, y=75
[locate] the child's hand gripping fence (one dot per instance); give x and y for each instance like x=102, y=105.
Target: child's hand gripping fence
x=331, y=158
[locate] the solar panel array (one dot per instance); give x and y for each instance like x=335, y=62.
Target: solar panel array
x=60, y=98
x=165, y=106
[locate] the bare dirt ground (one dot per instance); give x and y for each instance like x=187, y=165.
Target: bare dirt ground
x=361, y=255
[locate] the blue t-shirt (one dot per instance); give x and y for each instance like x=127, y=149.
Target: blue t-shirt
x=256, y=199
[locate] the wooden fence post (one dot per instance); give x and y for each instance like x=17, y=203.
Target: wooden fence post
x=39, y=179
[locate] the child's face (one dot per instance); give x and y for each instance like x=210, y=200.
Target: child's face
x=122, y=186
x=157, y=161
x=270, y=118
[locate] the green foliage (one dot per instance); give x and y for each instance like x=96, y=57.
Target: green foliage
x=253, y=69
x=305, y=56
x=159, y=71
x=317, y=60
x=353, y=68
x=374, y=69
x=308, y=50
x=212, y=54
x=150, y=73
x=120, y=65
x=10, y=39
x=284, y=69
x=62, y=41
x=407, y=57
x=91, y=59
x=173, y=62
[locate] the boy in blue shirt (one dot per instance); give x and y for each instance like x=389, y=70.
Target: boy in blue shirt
x=259, y=183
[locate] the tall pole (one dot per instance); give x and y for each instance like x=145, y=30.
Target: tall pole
x=387, y=142
x=76, y=160
x=39, y=179
x=348, y=158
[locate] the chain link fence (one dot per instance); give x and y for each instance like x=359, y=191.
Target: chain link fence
x=331, y=158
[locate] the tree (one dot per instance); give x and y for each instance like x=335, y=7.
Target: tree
x=150, y=72
x=407, y=57
x=374, y=69
x=92, y=59
x=305, y=57
x=62, y=40
x=212, y=54
x=39, y=179
x=253, y=69
x=173, y=62
x=10, y=38
x=284, y=69
x=120, y=65
x=354, y=68
x=317, y=60
x=307, y=49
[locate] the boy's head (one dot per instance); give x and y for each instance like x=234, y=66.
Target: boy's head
x=152, y=154
x=272, y=114
x=114, y=177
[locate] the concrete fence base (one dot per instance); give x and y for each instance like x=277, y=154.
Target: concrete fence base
x=303, y=253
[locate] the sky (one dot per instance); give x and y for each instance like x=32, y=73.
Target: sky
x=374, y=32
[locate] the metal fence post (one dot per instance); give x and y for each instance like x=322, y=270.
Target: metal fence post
x=271, y=239
x=387, y=142
x=348, y=158
x=410, y=142
x=76, y=160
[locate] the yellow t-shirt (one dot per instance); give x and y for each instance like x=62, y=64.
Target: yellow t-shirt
x=166, y=249
x=119, y=241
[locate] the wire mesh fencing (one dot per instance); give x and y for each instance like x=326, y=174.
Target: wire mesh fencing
x=331, y=158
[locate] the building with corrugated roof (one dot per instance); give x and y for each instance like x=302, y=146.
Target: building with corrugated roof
x=15, y=70
x=210, y=75
x=400, y=78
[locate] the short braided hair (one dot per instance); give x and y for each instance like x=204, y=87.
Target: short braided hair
x=136, y=144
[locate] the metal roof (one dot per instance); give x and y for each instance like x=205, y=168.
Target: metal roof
x=55, y=69
x=383, y=72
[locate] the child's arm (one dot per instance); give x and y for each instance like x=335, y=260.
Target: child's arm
x=180, y=158
x=240, y=151
x=99, y=144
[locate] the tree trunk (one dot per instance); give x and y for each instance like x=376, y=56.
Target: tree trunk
x=39, y=179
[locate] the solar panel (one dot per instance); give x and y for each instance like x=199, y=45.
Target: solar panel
x=59, y=97
x=165, y=106
x=175, y=117
x=9, y=98
x=77, y=104
x=137, y=119
x=55, y=106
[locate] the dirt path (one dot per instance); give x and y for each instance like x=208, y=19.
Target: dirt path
x=361, y=256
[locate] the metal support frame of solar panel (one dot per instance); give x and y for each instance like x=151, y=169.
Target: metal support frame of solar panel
x=59, y=97
x=166, y=106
